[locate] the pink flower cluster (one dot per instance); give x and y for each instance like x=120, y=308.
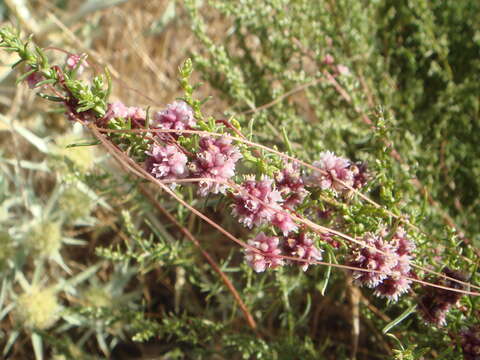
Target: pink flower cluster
x=215, y=160
x=268, y=254
x=257, y=201
x=335, y=172
x=388, y=263
x=291, y=186
x=178, y=115
x=76, y=61
x=33, y=79
x=338, y=173
x=269, y=201
x=284, y=222
x=167, y=162
x=470, y=341
x=266, y=201
x=435, y=304
x=302, y=246
x=118, y=110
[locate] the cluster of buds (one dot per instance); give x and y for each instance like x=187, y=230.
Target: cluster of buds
x=470, y=341
x=337, y=173
x=360, y=174
x=291, y=186
x=257, y=202
x=329, y=239
x=73, y=62
x=268, y=254
x=386, y=263
x=76, y=62
x=435, y=304
x=302, y=246
x=167, y=162
x=118, y=110
x=268, y=251
x=178, y=116
x=215, y=160
x=271, y=201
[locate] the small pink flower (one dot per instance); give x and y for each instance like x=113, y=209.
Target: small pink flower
x=396, y=283
x=334, y=169
x=302, y=246
x=78, y=62
x=328, y=59
x=178, y=115
x=166, y=162
x=267, y=257
x=34, y=78
x=290, y=184
x=328, y=238
x=251, y=211
x=403, y=244
x=343, y=70
x=389, y=259
x=136, y=113
x=378, y=256
x=360, y=174
x=116, y=110
x=284, y=222
x=215, y=160
x=435, y=304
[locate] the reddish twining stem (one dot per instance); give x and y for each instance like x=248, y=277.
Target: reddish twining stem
x=310, y=224
x=137, y=169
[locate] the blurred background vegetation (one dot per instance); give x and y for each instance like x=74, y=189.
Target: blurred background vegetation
x=91, y=269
